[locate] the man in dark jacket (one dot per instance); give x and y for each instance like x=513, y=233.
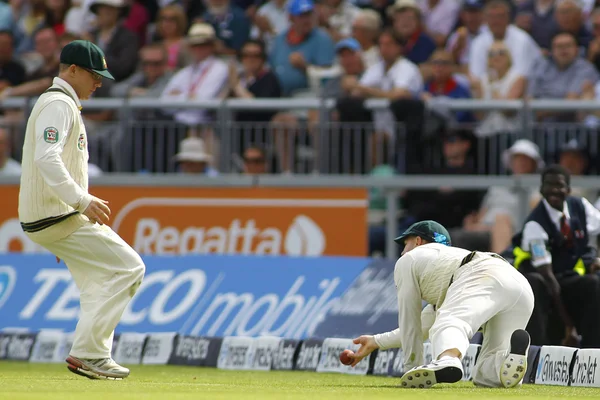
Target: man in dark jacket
x=119, y=44
x=553, y=252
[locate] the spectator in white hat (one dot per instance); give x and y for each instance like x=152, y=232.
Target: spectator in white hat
x=204, y=79
x=499, y=214
x=193, y=158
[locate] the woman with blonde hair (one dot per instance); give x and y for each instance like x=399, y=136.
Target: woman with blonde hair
x=170, y=30
x=501, y=82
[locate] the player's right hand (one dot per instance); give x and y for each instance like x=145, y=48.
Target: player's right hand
x=367, y=346
x=98, y=211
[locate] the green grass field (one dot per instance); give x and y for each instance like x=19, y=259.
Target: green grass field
x=20, y=381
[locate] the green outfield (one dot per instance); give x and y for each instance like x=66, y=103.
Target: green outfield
x=20, y=381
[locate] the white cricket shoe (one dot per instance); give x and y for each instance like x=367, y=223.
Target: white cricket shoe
x=100, y=368
x=446, y=370
x=514, y=366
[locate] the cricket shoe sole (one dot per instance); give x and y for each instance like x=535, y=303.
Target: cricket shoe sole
x=514, y=367
x=425, y=376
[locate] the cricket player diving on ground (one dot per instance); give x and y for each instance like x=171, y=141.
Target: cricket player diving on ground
x=57, y=212
x=466, y=291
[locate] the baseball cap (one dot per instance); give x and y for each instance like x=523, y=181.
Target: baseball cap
x=473, y=4
x=85, y=54
x=429, y=230
x=348, y=43
x=298, y=7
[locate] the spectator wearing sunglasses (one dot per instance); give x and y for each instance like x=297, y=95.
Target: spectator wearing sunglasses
x=443, y=83
x=151, y=79
x=170, y=31
x=254, y=81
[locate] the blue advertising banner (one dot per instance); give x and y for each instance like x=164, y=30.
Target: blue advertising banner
x=369, y=306
x=194, y=295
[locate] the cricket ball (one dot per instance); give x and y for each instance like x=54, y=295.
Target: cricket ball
x=345, y=357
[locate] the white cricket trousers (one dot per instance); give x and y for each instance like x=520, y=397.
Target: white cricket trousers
x=487, y=293
x=107, y=272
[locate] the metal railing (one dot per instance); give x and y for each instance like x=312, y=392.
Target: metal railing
x=131, y=142
x=391, y=186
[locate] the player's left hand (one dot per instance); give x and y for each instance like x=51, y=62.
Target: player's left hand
x=367, y=346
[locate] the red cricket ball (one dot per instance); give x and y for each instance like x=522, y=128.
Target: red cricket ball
x=345, y=357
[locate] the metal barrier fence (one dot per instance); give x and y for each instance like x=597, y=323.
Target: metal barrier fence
x=142, y=136
x=392, y=187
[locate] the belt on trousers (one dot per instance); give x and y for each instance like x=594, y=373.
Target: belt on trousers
x=469, y=257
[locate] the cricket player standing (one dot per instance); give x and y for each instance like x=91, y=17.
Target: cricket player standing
x=56, y=211
x=467, y=290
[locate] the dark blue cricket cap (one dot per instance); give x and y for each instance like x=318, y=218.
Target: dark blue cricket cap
x=431, y=231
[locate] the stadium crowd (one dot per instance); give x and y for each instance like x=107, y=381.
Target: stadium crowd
x=408, y=51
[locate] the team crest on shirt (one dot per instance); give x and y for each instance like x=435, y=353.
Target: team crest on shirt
x=81, y=142
x=579, y=234
x=51, y=135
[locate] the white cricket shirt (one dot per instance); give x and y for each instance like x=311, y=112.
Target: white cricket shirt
x=54, y=177
x=424, y=273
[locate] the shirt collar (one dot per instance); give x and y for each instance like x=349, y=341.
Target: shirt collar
x=65, y=85
x=556, y=215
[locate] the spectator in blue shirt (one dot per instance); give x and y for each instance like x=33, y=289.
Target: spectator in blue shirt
x=299, y=47
x=230, y=23
x=443, y=83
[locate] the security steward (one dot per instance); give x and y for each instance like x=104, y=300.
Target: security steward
x=553, y=252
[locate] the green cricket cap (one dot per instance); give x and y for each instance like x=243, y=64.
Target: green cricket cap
x=429, y=230
x=85, y=54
